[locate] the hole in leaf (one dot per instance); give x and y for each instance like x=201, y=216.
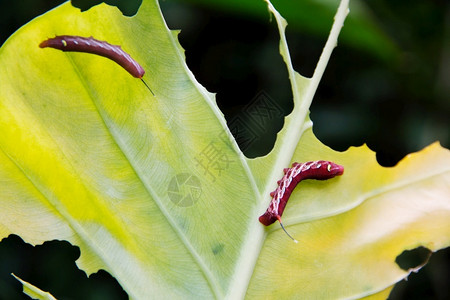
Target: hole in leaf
x=51, y=267
x=414, y=258
x=430, y=283
x=128, y=8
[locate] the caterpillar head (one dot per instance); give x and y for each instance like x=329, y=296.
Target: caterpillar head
x=327, y=169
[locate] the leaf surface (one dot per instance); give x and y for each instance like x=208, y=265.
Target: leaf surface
x=154, y=189
x=34, y=292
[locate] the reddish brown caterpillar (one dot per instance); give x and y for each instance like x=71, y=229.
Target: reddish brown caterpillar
x=320, y=170
x=90, y=45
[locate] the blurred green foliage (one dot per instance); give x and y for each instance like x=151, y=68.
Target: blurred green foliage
x=387, y=85
x=393, y=96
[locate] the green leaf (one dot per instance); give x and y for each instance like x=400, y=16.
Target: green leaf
x=154, y=189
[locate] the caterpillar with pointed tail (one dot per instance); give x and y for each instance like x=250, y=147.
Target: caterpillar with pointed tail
x=72, y=43
x=319, y=170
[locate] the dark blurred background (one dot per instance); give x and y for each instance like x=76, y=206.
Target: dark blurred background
x=387, y=84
